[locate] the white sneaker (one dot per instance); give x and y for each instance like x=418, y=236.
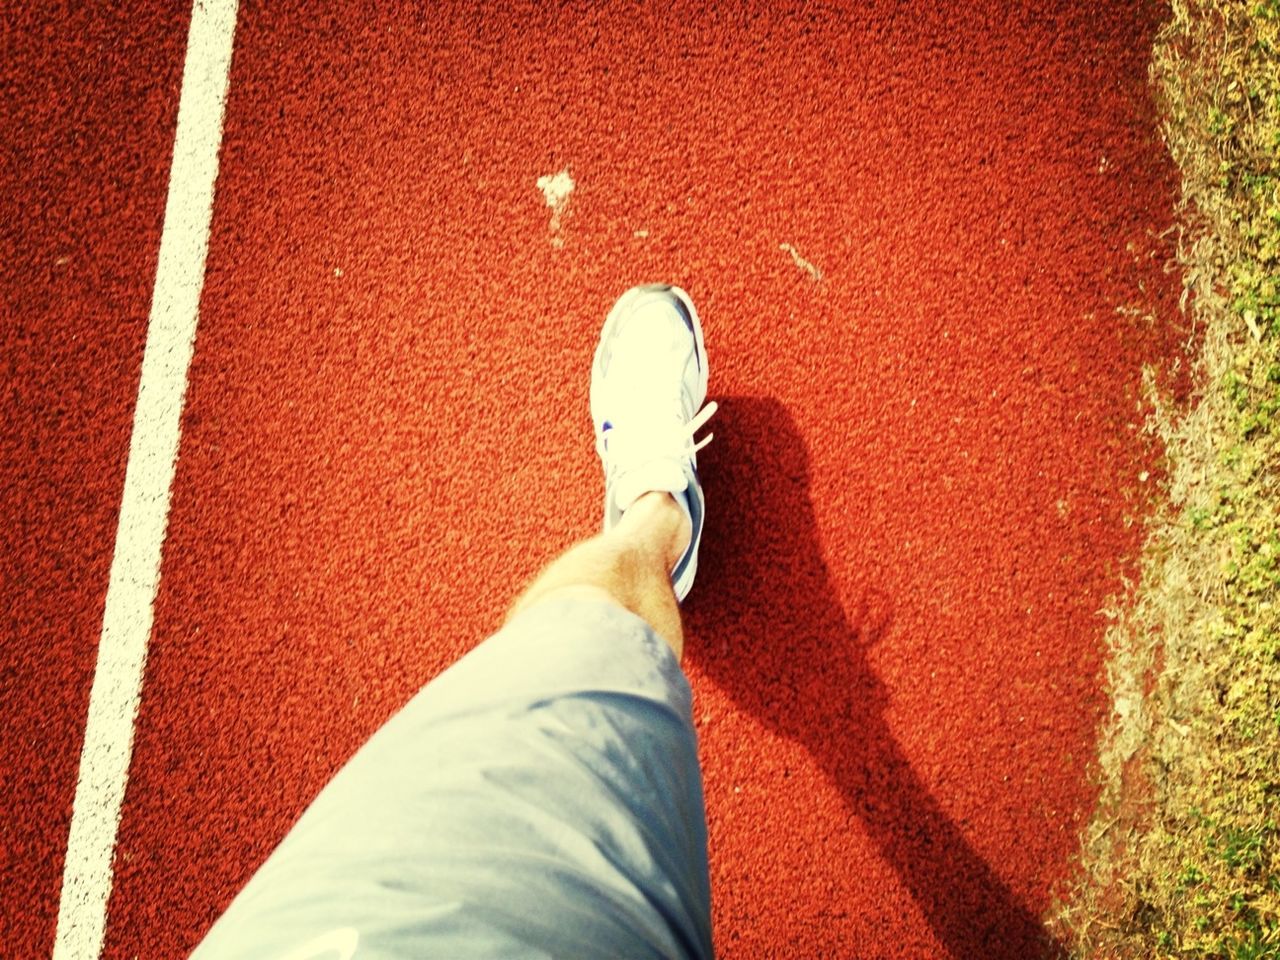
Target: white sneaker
x=648, y=383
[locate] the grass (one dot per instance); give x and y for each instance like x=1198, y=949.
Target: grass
x=1181, y=857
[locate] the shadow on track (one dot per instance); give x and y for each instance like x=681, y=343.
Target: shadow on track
x=777, y=639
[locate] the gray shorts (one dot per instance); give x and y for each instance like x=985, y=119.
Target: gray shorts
x=540, y=798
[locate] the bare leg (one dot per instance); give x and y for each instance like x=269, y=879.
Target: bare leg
x=630, y=565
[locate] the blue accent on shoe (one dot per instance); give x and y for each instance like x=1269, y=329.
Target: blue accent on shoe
x=688, y=322
x=681, y=581
x=682, y=498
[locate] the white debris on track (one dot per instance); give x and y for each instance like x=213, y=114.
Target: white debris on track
x=556, y=188
x=814, y=273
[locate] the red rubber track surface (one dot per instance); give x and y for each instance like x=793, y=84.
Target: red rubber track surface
x=919, y=494
x=86, y=137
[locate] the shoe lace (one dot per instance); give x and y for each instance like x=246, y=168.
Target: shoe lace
x=644, y=438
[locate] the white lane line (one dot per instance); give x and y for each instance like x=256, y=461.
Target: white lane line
x=144, y=510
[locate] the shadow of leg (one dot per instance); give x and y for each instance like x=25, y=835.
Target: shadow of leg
x=804, y=671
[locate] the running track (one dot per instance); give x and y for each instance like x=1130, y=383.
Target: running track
x=923, y=241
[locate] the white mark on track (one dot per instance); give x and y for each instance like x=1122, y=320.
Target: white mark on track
x=801, y=262
x=556, y=188
x=144, y=510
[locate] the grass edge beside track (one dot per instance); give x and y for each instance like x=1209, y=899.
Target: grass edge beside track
x=1180, y=857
